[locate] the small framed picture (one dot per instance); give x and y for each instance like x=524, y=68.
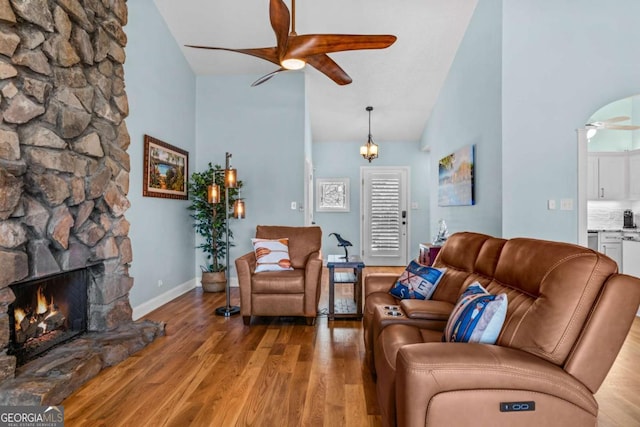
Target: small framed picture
x=166, y=170
x=332, y=194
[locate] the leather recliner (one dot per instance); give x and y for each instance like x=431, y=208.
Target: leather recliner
x=283, y=293
x=569, y=312
x=467, y=256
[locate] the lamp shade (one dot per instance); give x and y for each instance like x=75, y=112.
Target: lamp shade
x=213, y=193
x=238, y=209
x=230, y=178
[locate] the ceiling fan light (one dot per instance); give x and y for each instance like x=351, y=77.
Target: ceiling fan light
x=293, y=64
x=591, y=132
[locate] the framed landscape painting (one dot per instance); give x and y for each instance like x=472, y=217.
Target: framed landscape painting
x=166, y=170
x=455, y=178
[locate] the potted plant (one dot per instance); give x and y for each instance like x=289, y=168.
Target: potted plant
x=209, y=220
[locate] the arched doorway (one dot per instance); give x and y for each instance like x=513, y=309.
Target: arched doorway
x=609, y=168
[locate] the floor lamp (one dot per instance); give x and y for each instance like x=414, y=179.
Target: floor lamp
x=230, y=181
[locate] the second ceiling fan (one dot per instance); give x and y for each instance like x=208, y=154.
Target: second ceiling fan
x=293, y=51
x=612, y=124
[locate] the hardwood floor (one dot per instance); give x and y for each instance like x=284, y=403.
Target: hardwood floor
x=212, y=371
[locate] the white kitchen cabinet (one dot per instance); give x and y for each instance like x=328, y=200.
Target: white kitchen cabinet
x=593, y=192
x=631, y=257
x=610, y=244
x=634, y=176
x=612, y=176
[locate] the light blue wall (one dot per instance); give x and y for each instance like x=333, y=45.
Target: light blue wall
x=263, y=128
x=342, y=159
x=468, y=111
x=562, y=61
x=161, y=91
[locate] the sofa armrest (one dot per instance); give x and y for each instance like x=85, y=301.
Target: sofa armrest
x=312, y=283
x=426, y=309
x=245, y=266
x=427, y=370
x=378, y=282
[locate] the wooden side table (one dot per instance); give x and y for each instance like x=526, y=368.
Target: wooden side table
x=343, y=310
x=428, y=253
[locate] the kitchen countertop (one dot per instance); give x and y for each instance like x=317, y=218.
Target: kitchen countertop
x=626, y=230
x=629, y=234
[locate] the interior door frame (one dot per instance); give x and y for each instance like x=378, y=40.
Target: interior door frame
x=407, y=195
x=308, y=193
x=582, y=149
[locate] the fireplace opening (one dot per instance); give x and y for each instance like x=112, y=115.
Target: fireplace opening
x=47, y=312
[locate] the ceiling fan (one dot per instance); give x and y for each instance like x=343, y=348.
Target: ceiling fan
x=293, y=51
x=611, y=124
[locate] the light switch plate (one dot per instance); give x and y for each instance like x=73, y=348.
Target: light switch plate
x=294, y=206
x=551, y=204
x=566, y=204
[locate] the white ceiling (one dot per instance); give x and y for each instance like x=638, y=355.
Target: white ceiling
x=401, y=82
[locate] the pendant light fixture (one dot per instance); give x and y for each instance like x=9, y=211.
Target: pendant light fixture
x=370, y=150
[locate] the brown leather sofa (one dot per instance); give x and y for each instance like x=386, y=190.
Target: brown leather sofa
x=569, y=312
x=283, y=293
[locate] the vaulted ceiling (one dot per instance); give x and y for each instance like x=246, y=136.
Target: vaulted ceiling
x=401, y=82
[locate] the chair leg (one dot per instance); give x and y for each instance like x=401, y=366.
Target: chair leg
x=310, y=321
x=246, y=320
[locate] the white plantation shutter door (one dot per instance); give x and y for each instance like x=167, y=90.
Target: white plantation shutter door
x=385, y=228
x=385, y=215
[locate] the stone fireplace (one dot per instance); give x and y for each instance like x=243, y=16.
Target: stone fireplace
x=46, y=312
x=64, y=169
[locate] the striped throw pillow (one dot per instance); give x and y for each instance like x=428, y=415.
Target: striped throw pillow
x=477, y=317
x=272, y=255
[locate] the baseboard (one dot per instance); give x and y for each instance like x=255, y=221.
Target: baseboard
x=173, y=293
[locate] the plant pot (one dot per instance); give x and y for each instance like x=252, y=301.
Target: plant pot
x=213, y=282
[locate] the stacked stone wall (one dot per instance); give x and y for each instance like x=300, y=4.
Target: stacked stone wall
x=64, y=167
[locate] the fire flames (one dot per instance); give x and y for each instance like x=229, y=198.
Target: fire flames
x=35, y=323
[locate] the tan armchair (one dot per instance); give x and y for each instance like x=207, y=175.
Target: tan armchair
x=283, y=293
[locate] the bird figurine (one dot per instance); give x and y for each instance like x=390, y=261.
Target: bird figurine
x=343, y=243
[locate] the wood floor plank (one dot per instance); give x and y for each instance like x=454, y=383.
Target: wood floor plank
x=239, y=392
x=356, y=414
x=214, y=371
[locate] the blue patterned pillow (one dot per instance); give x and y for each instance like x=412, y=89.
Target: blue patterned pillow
x=417, y=282
x=477, y=316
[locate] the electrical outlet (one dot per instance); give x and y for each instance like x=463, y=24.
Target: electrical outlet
x=160, y=283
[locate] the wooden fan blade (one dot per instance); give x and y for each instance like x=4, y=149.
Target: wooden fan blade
x=280, y=19
x=329, y=68
x=266, y=77
x=314, y=44
x=267, y=53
